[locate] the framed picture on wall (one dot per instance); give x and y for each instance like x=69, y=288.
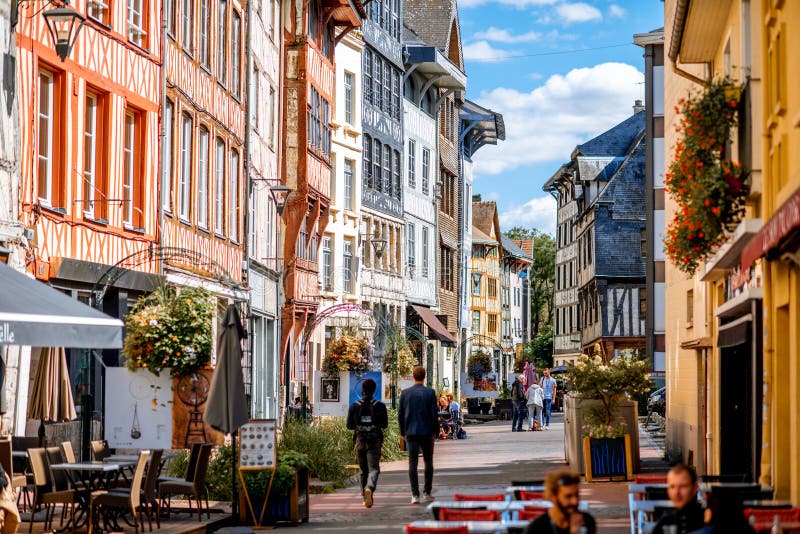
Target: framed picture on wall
x=329, y=390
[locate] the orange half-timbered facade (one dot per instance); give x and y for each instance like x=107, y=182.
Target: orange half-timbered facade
x=311, y=30
x=202, y=193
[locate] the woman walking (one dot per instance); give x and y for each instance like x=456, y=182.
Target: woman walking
x=535, y=401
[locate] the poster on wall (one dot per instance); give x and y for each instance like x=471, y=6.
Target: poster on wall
x=487, y=386
x=331, y=393
x=357, y=380
x=402, y=383
x=138, y=409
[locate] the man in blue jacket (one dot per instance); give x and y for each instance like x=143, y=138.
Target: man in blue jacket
x=419, y=423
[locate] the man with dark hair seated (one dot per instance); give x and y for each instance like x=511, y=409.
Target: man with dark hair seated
x=562, y=488
x=682, y=491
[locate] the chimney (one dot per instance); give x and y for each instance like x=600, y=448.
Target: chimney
x=476, y=198
x=637, y=107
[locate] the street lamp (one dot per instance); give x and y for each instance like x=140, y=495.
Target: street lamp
x=64, y=24
x=280, y=194
x=378, y=245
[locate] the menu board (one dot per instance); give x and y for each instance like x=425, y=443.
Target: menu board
x=257, y=444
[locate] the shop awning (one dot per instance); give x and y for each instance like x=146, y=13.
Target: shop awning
x=32, y=313
x=782, y=223
x=735, y=332
x=435, y=326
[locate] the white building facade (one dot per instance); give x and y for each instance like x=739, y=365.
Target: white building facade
x=264, y=264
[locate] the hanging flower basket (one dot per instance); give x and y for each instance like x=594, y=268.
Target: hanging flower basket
x=710, y=190
x=348, y=353
x=170, y=328
x=479, y=364
x=406, y=360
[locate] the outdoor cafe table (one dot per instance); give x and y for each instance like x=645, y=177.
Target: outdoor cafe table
x=87, y=477
x=506, y=508
x=477, y=527
x=512, y=491
x=641, y=507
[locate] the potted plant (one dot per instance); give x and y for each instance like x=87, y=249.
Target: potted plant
x=606, y=442
x=348, y=352
x=170, y=328
x=288, y=493
x=709, y=188
x=402, y=356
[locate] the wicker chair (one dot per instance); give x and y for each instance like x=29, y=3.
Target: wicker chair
x=195, y=487
x=18, y=480
x=48, y=491
x=100, y=450
x=123, y=499
x=68, y=452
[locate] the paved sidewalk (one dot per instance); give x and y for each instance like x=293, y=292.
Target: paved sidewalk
x=484, y=463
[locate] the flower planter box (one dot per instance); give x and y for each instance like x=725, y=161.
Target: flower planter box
x=574, y=409
x=608, y=458
x=290, y=508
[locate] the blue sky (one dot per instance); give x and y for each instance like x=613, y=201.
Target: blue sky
x=560, y=72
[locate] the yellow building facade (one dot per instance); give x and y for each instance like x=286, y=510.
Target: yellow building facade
x=713, y=332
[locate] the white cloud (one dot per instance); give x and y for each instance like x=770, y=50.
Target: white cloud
x=498, y=35
x=519, y=4
x=538, y=212
x=545, y=124
x=535, y=76
x=482, y=51
x=578, y=12
x=616, y=11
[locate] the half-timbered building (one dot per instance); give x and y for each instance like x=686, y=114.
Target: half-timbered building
x=203, y=182
x=310, y=32
x=90, y=126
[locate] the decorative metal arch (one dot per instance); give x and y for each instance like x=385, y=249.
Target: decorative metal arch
x=191, y=258
x=485, y=341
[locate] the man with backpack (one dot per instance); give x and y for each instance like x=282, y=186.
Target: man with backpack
x=367, y=417
x=520, y=403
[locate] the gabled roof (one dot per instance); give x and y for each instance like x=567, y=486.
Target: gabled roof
x=436, y=23
x=615, y=142
x=511, y=249
x=478, y=236
x=485, y=219
x=480, y=126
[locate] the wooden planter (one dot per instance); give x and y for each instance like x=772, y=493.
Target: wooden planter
x=608, y=458
x=290, y=508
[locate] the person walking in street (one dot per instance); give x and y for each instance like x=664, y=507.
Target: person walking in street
x=418, y=418
x=562, y=488
x=367, y=417
x=520, y=407
x=548, y=384
x=535, y=399
x=682, y=491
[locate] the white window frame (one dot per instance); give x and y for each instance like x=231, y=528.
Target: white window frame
x=187, y=25
x=136, y=32
x=233, y=196
x=129, y=151
x=236, y=53
x=411, y=247
x=219, y=189
x=347, y=266
x=349, y=172
x=349, y=83
x=412, y=164
x=204, y=39
x=273, y=114
x=327, y=263
x=202, y=177
x=169, y=134
x=222, y=40
x=185, y=183
x=425, y=253
x=89, y=153
x=97, y=9
x=45, y=153
x=426, y=170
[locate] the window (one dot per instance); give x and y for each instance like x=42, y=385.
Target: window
x=425, y=251
x=476, y=321
x=205, y=42
x=377, y=174
x=166, y=180
x=219, y=195
x=447, y=203
x=396, y=107
x=387, y=169
x=412, y=163
x=45, y=187
x=348, y=97
x=273, y=111
x=367, y=68
x=491, y=288
x=187, y=25
x=643, y=243
x=642, y=303
x=476, y=284
x=255, y=98
x=222, y=39
x=478, y=251
x=327, y=268
x=169, y=13
x=186, y=166
x=136, y=33
x=318, y=122
x=90, y=151
x=348, y=266
x=446, y=275
x=129, y=166
x=397, y=183
x=202, y=179
x=313, y=20
x=233, y=195
x=98, y=10
x=366, y=167
x=236, y=53
x=348, y=184
x=492, y=323
x=332, y=181
x=411, y=248
x=426, y=170
x=690, y=306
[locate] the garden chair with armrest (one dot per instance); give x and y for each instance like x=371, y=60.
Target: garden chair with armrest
x=47, y=491
x=191, y=488
x=122, y=499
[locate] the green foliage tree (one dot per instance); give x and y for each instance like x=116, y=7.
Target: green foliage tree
x=542, y=276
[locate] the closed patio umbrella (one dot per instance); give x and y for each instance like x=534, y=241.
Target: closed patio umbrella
x=226, y=407
x=51, y=395
x=530, y=375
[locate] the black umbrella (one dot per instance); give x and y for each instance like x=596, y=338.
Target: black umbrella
x=226, y=407
x=559, y=369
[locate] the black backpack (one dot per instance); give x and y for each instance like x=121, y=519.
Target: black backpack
x=365, y=428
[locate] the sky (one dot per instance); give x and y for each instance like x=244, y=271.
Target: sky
x=560, y=72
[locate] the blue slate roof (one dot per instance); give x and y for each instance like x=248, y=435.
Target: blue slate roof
x=616, y=141
x=511, y=249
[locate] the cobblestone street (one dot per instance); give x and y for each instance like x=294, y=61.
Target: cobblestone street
x=484, y=463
